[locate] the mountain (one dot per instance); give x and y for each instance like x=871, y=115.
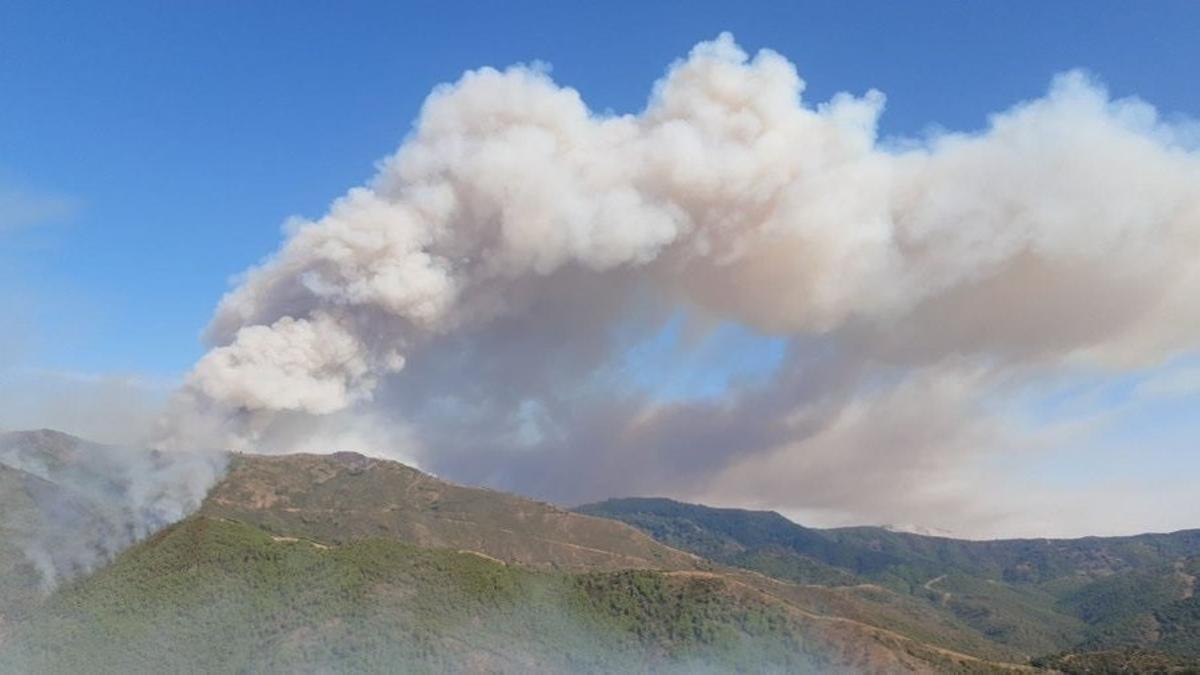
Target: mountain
x=1036, y=596
x=342, y=562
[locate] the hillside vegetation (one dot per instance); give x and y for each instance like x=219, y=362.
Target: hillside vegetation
x=311, y=563
x=342, y=497
x=210, y=595
x=1037, y=596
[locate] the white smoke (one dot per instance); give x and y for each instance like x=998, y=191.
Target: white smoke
x=514, y=221
x=78, y=503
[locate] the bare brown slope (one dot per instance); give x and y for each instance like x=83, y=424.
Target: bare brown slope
x=346, y=496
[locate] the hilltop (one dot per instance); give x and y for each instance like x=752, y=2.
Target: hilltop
x=345, y=496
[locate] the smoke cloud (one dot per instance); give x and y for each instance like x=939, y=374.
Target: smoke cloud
x=479, y=291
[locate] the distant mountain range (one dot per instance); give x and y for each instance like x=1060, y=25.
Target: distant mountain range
x=1114, y=595
x=345, y=563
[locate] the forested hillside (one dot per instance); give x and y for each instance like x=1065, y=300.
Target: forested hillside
x=1038, y=596
x=348, y=563
x=210, y=595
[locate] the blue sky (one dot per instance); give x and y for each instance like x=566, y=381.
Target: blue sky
x=175, y=141
x=149, y=152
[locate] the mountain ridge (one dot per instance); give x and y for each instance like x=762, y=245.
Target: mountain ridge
x=270, y=517
x=666, y=579
x=270, y=491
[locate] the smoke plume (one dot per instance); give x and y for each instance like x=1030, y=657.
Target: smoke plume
x=479, y=291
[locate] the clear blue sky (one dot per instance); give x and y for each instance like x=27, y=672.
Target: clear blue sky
x=162, y=144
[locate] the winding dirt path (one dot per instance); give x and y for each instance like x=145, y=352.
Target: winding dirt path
x=945, y=595
x=298, y=540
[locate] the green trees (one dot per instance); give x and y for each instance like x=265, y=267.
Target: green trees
x=215, y=596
